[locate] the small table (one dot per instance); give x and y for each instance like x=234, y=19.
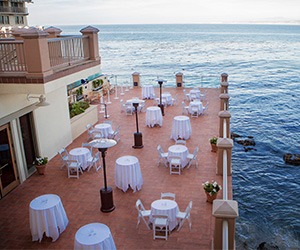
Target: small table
x=147, y=91
x=81, y=155
x=128, y=173
x=181, y=127
x=195, y=94
x=168, y=98
x=165, y=207
x=197, y=104
x=104, y=128
x=153, y=116
x=179, y=150
x=47, y=215
x=139, y=101
x=94, y=236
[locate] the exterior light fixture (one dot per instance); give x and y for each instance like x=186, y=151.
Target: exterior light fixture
x=42, y=100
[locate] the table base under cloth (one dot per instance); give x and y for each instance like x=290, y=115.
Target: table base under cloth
x=165, y=207
x=81, y=155
x=94, y=236
x=128, y=173
x=147, y=92
x=47, y=215
x=154, y=116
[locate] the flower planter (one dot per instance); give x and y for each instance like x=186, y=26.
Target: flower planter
x=214, y=148
x=209, y=198
x=41, y=169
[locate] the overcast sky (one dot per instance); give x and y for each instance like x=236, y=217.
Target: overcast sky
x=83, y=12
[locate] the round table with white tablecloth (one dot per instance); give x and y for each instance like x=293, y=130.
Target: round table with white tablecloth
x=181, y=127
x=47, y=215
x=167, y=99
x=179, y=150
x=165, y=207
x=147, y=91
x=81, y=155
x=94, y=236
x=128, y=173
x=196, y=104
x=195, y=94
x=154, y=116
x=104, y=128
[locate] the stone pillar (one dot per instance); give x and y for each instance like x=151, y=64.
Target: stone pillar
x=136, y=79
x=224, y=210
x=224, y=83
x=179, y=79
x=17, y=32
x=36, y=53
x=224, y=144
x=53, y=32
x=224, y=102
x=224, y=115
x=92, y=33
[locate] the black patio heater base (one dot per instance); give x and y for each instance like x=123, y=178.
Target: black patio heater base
x=107, y=202
x=138, y=140
x=162, y=109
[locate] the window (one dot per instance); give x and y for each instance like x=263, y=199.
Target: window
x=4, y=20
x=19, y=19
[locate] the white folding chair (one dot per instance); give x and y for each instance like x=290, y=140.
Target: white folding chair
x=162, y=156
x=87, y=145
x=169, y=196
x=195, y=111
x=175, y=164
x=115, y=134
x=74, y=168
x=193, y=157
x=183, y=216
x=108, y=122
x=185, y=109
x=203, y=95
x=205, y=108
x=129, y=109
x=97, y=134
x=94, y=162
x=174, y=100
x=186, y=95
x=90, y=129
x=142, y=213
x=160, y=226
x=64, y=156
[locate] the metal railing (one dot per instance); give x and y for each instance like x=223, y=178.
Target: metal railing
x=12, y=56
x=68, y=50
x=10, y=9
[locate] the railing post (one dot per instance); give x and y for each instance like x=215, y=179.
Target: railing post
x=53, y=32
x=224, y=83
x=224, y=210
x=224, y=103
x=224, y=144
x=224, y=116
x=92, y=33
x=36, y=53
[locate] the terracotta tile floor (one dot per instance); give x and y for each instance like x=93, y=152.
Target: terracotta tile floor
x=81, y=197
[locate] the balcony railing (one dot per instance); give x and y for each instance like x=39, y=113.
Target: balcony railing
x=10, y=9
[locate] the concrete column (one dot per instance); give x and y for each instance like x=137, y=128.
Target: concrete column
x=36, y=53
x=136, y=79
x=224, y=210
x=224, y=83
x=224, y=102
x=179, y=79
x=53, y=32
x=92, y=33
x=224, y=144
x=224, y=115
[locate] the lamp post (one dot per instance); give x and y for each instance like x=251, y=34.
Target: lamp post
x=105, y=110
x=138, y=137
x=116, y=86
x=106, y=193
x=160, y=82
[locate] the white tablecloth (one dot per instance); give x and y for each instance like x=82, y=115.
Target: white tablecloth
x=194, y=94
x=181, y=127
x=153, y=116
x=47, y=215
x=179, y=150
x=165, y=207
x=127, y=173
x=81, y=155
x=104, y=128
x=94, y=236
x=196, y=104
x=167, y=97
x=147, y=91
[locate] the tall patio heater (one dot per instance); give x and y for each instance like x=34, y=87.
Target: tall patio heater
x=160, y=82
x=138, y=137
x=106, y=193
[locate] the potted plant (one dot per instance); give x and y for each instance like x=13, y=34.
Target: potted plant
x=211, y=189
x=40, y=164
x=213, y=143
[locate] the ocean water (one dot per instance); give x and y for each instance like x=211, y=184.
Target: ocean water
x=263, y=64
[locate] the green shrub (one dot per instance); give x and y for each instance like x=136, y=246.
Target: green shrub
x=77, y=108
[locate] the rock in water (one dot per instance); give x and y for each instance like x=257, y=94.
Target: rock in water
x=292, y=159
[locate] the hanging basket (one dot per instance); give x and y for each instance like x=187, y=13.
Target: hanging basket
x=209, y=198
x=41, y=169
x=214, y=148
